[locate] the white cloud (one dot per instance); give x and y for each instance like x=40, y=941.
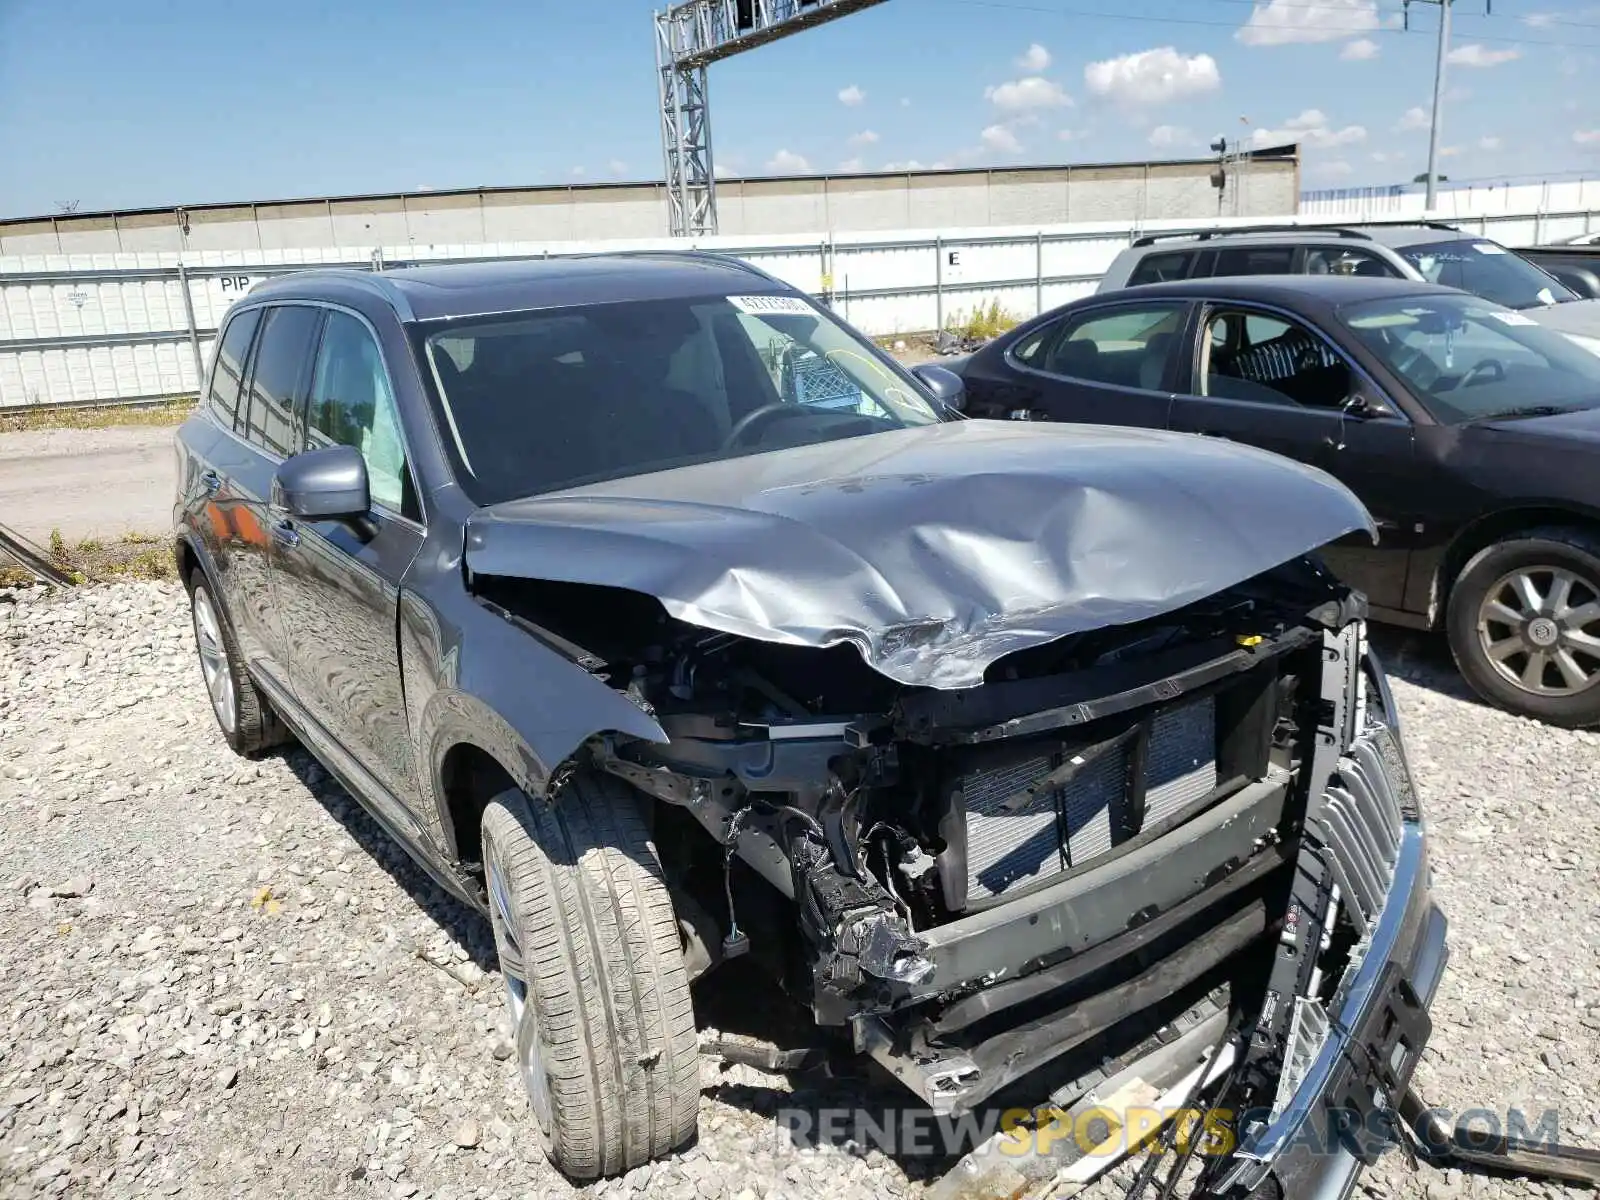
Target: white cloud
x=1279, y=22
x=1000, y=139
x=1457, y=94
x=1489, y=142
x=1359, y=50
x=1412, y=120
x=851, y=96
x=1068, y=135
x=1539, y=20
x=852, y=166
x=786, y=162
x=1475, y=55
x=1337, y=169
x=1586, y=137
x=1020, y=95
x=617, y=167
x=578, y=172
x=910, y=164
x=1152, y=76
x=1310, y=127
x=938, y=164
x=1165, y=137
x=1449, y=151
x=1380, y=156
x=905, y=101
x=1034, y=59
x=865, y=138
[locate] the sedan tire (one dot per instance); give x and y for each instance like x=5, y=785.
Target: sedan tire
x=243, y=714
x=1524, y=625
x=595, y=982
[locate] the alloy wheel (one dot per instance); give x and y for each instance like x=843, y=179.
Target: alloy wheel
x=214, y=665
x=1539, y=627
x=513, y=970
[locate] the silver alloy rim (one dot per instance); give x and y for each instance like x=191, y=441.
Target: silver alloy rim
x=1540, y=629
x=513, y=972
x=214, y=663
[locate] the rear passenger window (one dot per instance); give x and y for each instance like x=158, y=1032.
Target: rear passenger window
x=1162, y=268
x=1127, y=347
x=228, y=373
x=268, y=419
x=1254, y=260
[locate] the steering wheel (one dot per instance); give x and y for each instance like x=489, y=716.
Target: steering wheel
x=760, y=417
x=1486, y=371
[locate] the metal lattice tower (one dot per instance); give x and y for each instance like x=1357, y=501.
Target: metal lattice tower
x=690, y=37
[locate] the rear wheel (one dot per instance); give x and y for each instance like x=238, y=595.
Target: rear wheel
x=594, y=975
x=1524, y=625
x=246, y=720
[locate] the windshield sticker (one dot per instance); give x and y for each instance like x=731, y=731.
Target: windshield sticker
x=1488, y=248
x=770, y=306
x=1512, y=318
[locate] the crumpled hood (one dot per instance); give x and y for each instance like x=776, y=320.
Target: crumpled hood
x=936, y=550
x=1575, y=316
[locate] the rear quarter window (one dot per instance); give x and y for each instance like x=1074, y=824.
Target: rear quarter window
x=1162, y=268
x=228, y=372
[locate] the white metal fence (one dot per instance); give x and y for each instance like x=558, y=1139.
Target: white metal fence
x=130, y=327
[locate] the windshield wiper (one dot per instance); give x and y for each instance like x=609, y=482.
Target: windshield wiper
x=1526, y=410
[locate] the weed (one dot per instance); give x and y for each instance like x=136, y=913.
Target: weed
x=171, y=412
x=60, y=556
x=982, y=322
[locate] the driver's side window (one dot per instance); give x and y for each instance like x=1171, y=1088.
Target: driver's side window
x=1269, y=360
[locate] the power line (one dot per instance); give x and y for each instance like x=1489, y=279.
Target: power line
x=1544, y=20
x=1352, y=30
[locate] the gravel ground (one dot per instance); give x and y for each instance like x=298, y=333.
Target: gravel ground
x=218, y=977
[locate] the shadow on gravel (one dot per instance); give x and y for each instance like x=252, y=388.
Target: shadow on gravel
x=1421, y=659
x=467, y=928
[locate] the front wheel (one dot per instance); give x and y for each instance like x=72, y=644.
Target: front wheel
x=1524, y=625
x=594, y=975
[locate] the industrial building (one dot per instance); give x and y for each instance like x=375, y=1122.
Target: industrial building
x=1260, y=184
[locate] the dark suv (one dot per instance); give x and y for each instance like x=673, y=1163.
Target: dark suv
x=667, y=620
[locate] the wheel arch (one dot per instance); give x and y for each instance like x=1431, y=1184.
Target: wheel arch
x=1485, y=531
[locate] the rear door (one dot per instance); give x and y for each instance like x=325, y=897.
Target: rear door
x=1106, y=365
x=207, y=500
x=1262, y=377
x=263, y=436
x=339, y=581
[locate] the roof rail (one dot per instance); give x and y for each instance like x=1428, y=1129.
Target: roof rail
x=1352, y=231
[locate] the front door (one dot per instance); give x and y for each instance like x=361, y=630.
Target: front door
x=1263, y=379
x=1109, y=365
x=339, y=581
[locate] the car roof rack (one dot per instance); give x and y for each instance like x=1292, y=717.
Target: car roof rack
x=1354, y=233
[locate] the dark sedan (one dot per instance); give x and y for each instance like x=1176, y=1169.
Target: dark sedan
x=1470, y=432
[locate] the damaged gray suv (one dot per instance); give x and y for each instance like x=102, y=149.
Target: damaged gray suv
x=666, y=620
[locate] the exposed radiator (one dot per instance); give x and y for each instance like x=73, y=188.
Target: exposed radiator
x=1008, y=847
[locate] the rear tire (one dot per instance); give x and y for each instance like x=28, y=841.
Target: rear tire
x=595, y=981
x=1524, y=625
x=246, y=719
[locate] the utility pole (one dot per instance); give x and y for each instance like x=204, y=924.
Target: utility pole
x=1438, y=89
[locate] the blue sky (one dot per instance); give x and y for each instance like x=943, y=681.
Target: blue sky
x=110, y=104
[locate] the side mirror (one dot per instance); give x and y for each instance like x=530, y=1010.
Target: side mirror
x=947, y=387
x=1365, y=408
x=323, y=485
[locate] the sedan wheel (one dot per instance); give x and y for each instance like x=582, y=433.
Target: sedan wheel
x=1524, y=624
x=1540, y=627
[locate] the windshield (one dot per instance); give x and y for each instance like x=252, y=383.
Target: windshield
x=1486, y=269
x=1466, y=359
x=536, y=401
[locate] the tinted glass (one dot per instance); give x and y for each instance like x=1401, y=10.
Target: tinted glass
x=351, y=404
x=1489, y=270
x=537, y=401
x=1254, y=260
x=1159, y=268
x=280, y=366
x=1128, y=346
x=1467, y=359
x=1341, y=260
x=1251, y=356
x=228, y=374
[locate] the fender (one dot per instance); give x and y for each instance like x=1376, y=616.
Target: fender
x=472, y=676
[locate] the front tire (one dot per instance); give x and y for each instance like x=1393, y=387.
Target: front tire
x=595, y=980
x=1524, y=625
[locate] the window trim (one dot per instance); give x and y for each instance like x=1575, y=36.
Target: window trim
x=246, y=364
x=1185, y=309
x=1199, y=347
x=248, y=385
x=302, y=410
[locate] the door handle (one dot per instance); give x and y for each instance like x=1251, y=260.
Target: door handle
x=286, y=535
x=211, y=481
